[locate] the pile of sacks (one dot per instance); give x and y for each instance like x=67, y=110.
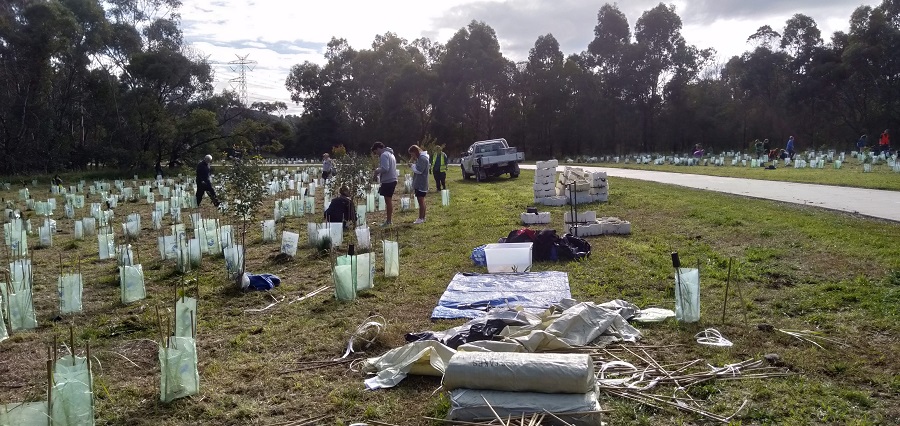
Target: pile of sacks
x=587, y=224
x=573, y=186
x=483, y=385
x=499, y=362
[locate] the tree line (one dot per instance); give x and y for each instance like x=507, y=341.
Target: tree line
x=631, y=90
x=112, y=83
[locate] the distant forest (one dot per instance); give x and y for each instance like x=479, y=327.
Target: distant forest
x=112, y=83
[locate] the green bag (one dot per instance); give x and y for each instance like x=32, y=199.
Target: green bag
x=360, y=214
x=185, y=311
x=364, y=267
x=131, y=283
x=391, y=258
x=70, y=288
x=687, y=295
x=24, y=414
x=178, y=367
x=20, y=308
x=3, y=333
x=72, y=397
x=370, y=202
x=344, y=284
x=107, y=245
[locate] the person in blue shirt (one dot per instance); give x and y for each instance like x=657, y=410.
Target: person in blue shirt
x=790, y=147
x=861, y=143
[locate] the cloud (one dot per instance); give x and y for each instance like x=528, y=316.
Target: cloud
x=518, y=24
x=721, y=24
x=709, y=11
x=279, y=34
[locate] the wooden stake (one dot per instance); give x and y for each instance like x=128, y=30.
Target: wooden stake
x=72, y=343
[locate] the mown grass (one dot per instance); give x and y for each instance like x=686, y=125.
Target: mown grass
x=797, y=268
x=850, y=174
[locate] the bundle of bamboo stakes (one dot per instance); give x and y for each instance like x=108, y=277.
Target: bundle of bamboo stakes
x=631, y=373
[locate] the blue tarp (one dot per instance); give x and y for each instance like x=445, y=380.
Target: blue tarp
x=470, y=295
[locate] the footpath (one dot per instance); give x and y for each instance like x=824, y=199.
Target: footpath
x=867, y=202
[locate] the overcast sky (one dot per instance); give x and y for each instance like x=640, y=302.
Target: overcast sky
x=278, y=34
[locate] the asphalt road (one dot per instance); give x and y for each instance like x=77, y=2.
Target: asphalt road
x=868, y=202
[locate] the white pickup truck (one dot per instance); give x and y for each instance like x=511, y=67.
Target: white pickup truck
x=491, y=158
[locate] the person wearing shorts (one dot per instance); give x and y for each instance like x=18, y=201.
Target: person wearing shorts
x=420, y=167
x=386, y=173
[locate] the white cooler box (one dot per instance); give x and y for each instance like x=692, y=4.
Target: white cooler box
x=508, y=257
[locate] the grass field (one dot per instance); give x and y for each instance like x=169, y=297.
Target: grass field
x=799, y=268
x=850, y=174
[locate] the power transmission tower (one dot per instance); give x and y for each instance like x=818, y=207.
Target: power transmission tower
x=241, y=66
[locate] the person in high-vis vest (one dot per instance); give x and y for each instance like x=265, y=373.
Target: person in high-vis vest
x=439, y=168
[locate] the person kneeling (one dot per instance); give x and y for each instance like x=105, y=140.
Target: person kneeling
x=341, y=209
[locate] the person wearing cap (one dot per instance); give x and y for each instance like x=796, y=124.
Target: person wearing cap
x=386, y=173
x=327, y=166
x=204, y=184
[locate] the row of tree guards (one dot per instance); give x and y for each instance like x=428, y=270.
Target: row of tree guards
x=69, y=396
x=177, y=335
x=177, y=345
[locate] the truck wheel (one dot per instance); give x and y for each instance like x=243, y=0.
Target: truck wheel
x=514, y=171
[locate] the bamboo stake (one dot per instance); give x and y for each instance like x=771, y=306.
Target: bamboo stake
x=162, y=338
x=72, y=343
x=727, y=286
x=49, y=392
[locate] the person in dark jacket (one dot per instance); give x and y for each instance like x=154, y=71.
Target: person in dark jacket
x=341, y=209
x=204, y=184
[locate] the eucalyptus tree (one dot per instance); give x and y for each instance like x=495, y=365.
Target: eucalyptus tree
x=608, y=55
x=658, y=42
x=471, y=75
x=324, y=92
x=546, y=96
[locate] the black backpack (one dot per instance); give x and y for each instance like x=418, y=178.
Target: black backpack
x=570, y=247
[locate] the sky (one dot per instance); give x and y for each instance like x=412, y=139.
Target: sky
x=278, y=34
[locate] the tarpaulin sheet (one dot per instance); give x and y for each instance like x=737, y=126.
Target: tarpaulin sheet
x=471, y=295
